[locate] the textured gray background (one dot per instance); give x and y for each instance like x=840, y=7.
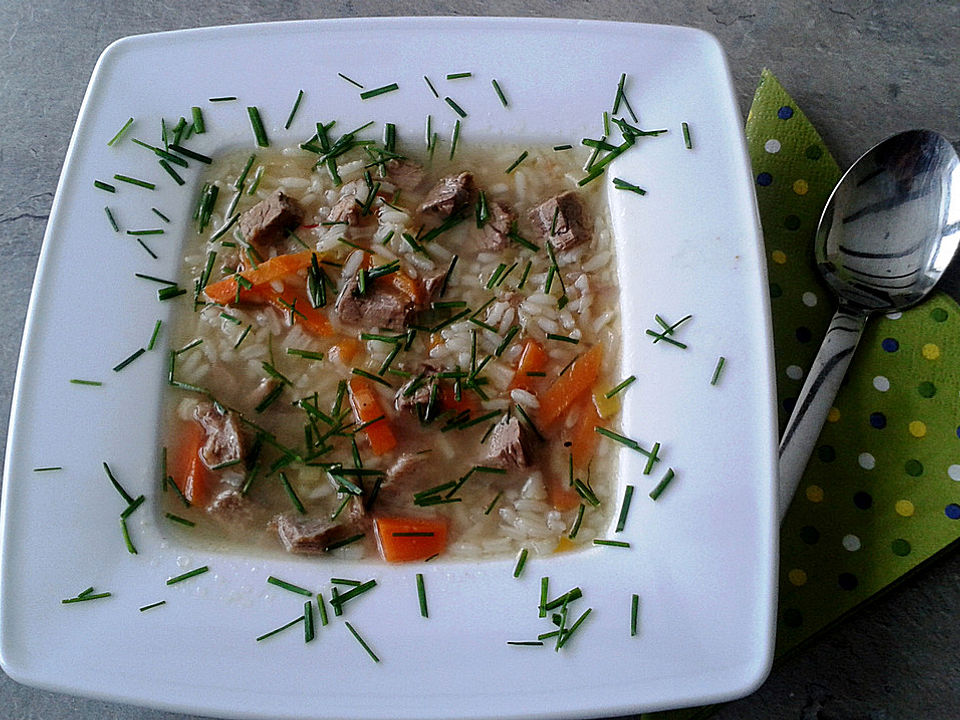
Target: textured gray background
x=860, y=69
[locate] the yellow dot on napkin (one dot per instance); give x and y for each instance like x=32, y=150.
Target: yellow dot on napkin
x=904, y=508
x=918, y=428
x=800, y=187
x=797, y=577
x=815, y=493
x=833, y=415
x=779, y=257
x=931, y=351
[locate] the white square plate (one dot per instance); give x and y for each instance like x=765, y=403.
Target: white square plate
x=702, y=558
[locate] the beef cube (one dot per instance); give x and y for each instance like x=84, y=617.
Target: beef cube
x=571, y=228
x=382, y=306
x=224, y=442
x=347, y=208
x=405, y=174
x=495, y=234
x=448, y=196
x=267, y=222
x=509, y=444
x=307, y=535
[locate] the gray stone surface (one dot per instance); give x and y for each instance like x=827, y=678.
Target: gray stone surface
x=861, y=69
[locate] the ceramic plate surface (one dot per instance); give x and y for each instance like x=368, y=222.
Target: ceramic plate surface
x=702, y=558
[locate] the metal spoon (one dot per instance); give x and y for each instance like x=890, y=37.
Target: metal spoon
x=888, y=232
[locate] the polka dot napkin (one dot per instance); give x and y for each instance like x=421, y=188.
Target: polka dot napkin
x=881, y=493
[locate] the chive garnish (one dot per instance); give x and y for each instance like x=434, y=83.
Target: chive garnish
x=48, y=469
x=153, y=605
x=187, y=575
x=289, y=586
x=145, y=232
x=624, y=185
x=171, y=172
x=344, y=542
x=322, y=610
x=686, y=136
x=521, y=562
x=223, y=98
x=565, y=599
x=135, y=181
x=422, y=596
x=360, y=640
x=576, y=523
x=126, y=537
x=280, y=629
x=430, y=85
x=622, y=386
x=718, y=369
x=662, y=485
x=632, y=444
x=308, y=629
x=663, y=336
x=87, y=594
x=351, y=81
x=306, y=354
x=634, y=612
x=293, y=110
x=624, y=508
x=515, y=163
x=104, y=186
x=566, y=635
x=77, y=381
x=414, y=534
x=259, y=133
x=131, y=508
x=178, y=519
x=455, y=136
x=652, y=458
x=499, y=91
x=168, y=283
x=525, y=643
x=198, y=125
x=371, y=376
x=150, y=252
x=544, y=590
x=459, y=75
x=611, y=543
x=169, y=292
x=117, y=486
x=113, y=222
x=562, y=147
x=563, y=338
x=456, y=108
x=493, y=503
x=367, y=94
x=120, y=132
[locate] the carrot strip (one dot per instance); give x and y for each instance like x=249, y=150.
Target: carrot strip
x=559, y=493
x=311, y=318
x=224, y=291
x=187, y=469
x=533, y=358
x=571, y=386
x=583, y=437
x=404, y=539
x=343, y=351
x=366, y=408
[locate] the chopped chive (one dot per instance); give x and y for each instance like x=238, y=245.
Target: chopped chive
x=457, y=76
x=126, y=536
x=289, y=586
x=280, y=629
x=120, y=132
x=414, y=534
x=242, y=336
x=135, y=181
x=544, y=590
x=117, y=486
x=345, y=581
x=456, y=108
x=568, y=597
x=686, y=136
x=651, y=458
x=576, y=523
x=351, y=81
x=180, y=520
x=292, y=494
x=149, y=251
x=624, y=185
x=454, y=138
x=169, y=292
x=566, y=635
x=153, y=605
x=515, y=163
x=224, y=98
x=430, y=85
x=422, y=596
x=521, y=562
x=168, y=283
x=527, y=643
x=371, y=376
x=242, y=177
x=48, y=469
x=563, y=338
x=632, y=444
x=634, y=612
x=626, y=383
x=562, y=147
x=663, y=336
x=293, y=110
x=606, y=123
x=360, y=640
x=187, y=575
x=306, y=354
x=322, y=610
x=499, y=91
x=104, y=186
x=511, y=333
x=171, y=172
x=342, y=543
x=77, y=381
x=198, y=125
x=113, y=222
x=259, y=133
x=160, y=215
x=367, y=94
x=662, y=485
x=86, y=595
x=131, y=508
x=718, y=369
x=493, y=503
x=145, y=232
x=611, y=543
x=624, y=508
x=308, y=629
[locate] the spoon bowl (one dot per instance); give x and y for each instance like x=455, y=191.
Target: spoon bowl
x=888, y=232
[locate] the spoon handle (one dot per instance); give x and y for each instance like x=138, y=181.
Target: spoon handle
x=816, y=398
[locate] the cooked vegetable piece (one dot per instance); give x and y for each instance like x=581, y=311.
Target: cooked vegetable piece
x=367, y=409
x=189, y=473
x=533, y=359
x=571, y=386
x=226, y=291
x=405, y=539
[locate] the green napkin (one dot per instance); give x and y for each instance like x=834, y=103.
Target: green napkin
x=881, y=494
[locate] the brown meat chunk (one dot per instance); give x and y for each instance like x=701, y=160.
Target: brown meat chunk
x=405, y=174
x=268, y=221
x=451, y=194
x=382, y=306
x=224, y=442
x=347, y=208
x=508, y=444
x=571, y=227
x=301, y=534
x=495, y=234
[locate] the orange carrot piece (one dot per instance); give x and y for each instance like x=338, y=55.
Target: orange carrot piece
x=571, y=386
x=467, y=401
x=533, y=358
x=187, y=469
x=404, y=539
x=224, y=291
x=583, y=437
x=343, y=351
x=559, y=493
x=405, y=284
x=366, y=408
